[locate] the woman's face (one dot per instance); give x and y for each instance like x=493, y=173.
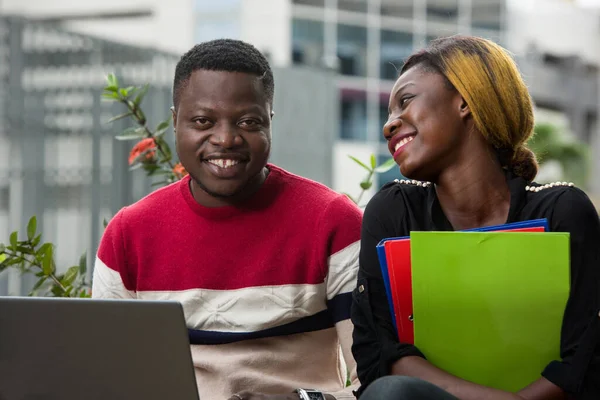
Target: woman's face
x=427, y=124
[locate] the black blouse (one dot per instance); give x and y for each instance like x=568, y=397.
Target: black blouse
x=404, y=206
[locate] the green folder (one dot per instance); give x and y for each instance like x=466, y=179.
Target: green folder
x=488, y=306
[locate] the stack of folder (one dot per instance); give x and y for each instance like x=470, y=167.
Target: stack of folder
x=485, y=305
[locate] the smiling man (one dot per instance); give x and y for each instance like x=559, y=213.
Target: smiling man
x=262, y=260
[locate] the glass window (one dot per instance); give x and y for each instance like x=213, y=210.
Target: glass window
x=352, y=50
x=353, y=5
x=395, y=48
x=389, y=176
x=397, y=8
x=486, y=14
x=314, y=3
x=307, y=42
x=442, y=11
x=353, y=114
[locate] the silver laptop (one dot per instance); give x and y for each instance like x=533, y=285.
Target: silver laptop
x=82, y=349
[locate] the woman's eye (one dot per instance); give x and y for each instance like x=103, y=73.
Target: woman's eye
x=404, y=100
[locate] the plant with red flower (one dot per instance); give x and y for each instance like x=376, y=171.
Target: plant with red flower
x=144, y=151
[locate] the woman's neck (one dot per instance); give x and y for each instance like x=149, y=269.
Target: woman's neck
x=474, y=193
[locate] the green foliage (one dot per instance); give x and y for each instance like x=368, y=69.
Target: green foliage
x=31, y=256
x=371, y=170
x=550, y=144
x=155, y=156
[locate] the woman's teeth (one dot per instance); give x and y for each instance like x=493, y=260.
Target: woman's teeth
x=403, y=142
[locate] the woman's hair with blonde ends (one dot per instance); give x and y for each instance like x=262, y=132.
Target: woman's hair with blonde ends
x=488, y=79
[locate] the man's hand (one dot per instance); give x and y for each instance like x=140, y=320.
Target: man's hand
x=262, y=396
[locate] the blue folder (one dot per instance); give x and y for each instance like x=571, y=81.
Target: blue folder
x=383, y=262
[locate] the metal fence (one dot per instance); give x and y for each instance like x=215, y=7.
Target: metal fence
x=58, y=157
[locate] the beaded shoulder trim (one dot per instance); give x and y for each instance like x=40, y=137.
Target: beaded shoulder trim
x=412, y=182
x=547, y=186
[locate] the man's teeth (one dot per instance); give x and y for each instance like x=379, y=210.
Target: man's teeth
x=224, y=163
x=403, y=142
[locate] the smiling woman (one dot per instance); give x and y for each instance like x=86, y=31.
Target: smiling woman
x=459, y=118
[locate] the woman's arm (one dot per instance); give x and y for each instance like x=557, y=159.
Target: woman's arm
x=418, y=367
x=375, y=342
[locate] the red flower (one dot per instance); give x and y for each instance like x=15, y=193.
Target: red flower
x=179, y=171
x=147, y=147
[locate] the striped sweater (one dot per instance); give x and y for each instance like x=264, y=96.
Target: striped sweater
x=265, y=287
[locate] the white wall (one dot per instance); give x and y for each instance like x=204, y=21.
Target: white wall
x=170, y=28
x=554, y=26
x=267, y=25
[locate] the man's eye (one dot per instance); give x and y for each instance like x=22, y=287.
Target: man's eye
x=249, y=123
x=202, y=121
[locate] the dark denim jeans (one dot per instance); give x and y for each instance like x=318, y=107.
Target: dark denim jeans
x=404, y=388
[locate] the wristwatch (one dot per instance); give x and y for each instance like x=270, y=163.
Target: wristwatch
x=309, y=394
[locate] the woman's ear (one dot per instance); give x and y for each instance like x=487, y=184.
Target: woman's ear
x=465, y=111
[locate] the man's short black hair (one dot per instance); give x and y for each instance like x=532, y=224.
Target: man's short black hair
x=223, y=55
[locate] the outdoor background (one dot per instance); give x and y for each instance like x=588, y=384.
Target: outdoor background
x=335, y=62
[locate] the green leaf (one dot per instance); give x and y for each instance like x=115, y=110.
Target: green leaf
x=132, y=134
x=57, y=291
x=47, y=261
x=13, y=240
x=373, y=161
x=13, y=261
x=70, y=276
x=2, y=248
x=25, y=249
x=141, y=94
x=31, y=227
x=123, y=92
x=39, y=283
x=112, y=96
x=366, y=185
x=2, y=257
x=151, y=169
x=356, y=160
x=350, y=197
x=165, y=154
x=83, y=264
x=162, y=127
x=36, y=240
x=386, y=166
x=112, y=80
x=41, y=252
x=118, y=117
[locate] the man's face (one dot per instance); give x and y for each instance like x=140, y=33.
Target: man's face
x=223, y=134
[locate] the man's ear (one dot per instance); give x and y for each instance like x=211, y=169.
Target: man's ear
x=174, y=115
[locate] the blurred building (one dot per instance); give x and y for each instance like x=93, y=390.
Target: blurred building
x=335, y=62
x=365, y=42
